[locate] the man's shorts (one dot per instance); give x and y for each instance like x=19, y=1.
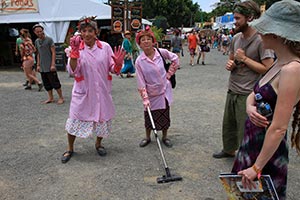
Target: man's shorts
x=50, y=80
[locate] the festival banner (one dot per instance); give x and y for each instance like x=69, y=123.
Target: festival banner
x=18, y=6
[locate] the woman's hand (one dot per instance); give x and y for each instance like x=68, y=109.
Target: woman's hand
x=119, y=54
x=256, y=118
x=118, y=57
x=75, y=43
x=248, y=175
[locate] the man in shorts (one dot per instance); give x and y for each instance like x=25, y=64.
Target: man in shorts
x=46, y=64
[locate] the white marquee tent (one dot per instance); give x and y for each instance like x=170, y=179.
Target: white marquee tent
x=55, y=15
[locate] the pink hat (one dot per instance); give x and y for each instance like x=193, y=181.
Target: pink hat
x=146, y=32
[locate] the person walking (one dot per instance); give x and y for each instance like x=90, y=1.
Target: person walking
x=27, y=50
x=203, y=47
x=176, y=44
x=265, y=147
x=192, y=44
x=128, y=62
x=154, y=85
x=46, y=64
x=248, y=59
x=91, y=109
x=19, y=41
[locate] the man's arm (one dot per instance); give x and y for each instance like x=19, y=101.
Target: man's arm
x=258, y=67
x=52, y=67
x=252, y=64
x=53, y=56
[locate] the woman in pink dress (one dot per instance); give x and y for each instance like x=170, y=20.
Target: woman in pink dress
x=91, y=63
x=154, y=85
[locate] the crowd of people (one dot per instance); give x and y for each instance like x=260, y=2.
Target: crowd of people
x=263, y=60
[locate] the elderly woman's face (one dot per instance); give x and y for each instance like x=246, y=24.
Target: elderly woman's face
x=146, y=42
x=88, y=35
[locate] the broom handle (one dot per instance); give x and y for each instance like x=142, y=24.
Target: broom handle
x=158, y=142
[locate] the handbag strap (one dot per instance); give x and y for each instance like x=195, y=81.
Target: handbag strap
x=165, y=64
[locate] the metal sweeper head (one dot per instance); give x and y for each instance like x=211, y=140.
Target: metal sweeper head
x=168, y=177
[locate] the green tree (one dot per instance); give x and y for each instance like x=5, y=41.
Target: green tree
x=177, y=12
x=161, y=22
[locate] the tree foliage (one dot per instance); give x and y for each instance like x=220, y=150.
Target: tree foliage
x=177, y=13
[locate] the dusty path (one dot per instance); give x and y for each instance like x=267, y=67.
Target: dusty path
x=32, y=139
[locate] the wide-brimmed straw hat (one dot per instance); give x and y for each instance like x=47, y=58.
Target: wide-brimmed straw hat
x=281, y=19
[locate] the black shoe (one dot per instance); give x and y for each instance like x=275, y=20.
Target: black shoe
x=203, y=63
x=167, y=142
x=66, y=156
x=33, y=83
x=40, y=86
x=223, y=154
x=144, y=142
x=26, y=83
x=101, y=151
x=27, y=87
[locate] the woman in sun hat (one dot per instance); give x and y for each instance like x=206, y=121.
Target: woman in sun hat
x=154, y=85
x=265, y=149
x=128, y=65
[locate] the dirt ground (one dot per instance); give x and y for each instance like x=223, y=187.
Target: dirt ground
x=32, y=140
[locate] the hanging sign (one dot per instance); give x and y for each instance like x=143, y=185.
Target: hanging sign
x=18, y=6
x=136, y=18
x=117, y=18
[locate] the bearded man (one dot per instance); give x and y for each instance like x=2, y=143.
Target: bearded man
x=247, y=61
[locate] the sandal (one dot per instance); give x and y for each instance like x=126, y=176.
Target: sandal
x=101, y=151
x=145, y=142
x=167, y=142
x=66, y=156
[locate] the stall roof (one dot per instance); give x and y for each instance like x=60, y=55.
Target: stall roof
x=60, y=10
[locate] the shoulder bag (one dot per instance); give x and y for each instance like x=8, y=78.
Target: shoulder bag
x=167, y=66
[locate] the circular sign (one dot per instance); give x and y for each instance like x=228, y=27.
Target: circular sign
x=135, y=24
x=117, y=26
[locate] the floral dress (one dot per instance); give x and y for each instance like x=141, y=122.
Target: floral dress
x=253, y=141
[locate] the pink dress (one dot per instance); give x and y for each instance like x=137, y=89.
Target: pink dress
x=151, y=75
x=92, y=108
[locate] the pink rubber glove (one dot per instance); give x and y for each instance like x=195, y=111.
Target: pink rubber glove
x=146, y=103
x=75, y=43
x=172, y=70
x=144, y=95
x=118, y=57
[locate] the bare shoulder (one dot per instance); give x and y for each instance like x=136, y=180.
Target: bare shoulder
x=292, y=67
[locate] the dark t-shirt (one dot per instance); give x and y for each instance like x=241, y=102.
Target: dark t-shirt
x=44, y=49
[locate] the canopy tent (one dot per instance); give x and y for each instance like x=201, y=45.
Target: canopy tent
x=225, y=21
x=55, y=15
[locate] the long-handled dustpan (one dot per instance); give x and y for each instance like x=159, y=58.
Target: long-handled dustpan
x=168, y=177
